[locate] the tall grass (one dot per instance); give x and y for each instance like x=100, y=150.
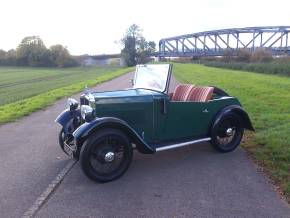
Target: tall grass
x=273, y=67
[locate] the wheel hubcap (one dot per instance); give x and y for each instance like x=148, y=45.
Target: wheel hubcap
x=229, y=131
x=107, y=155
x=110, y=156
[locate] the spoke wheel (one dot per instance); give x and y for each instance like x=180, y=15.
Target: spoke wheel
x=227, y=133
x=106, y=155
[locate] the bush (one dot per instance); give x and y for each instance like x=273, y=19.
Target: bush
x=228, y=56
x=273, y=67
x=261, y=55
x=243, y=55
x=260, y=61
x=70, y=62
x=182, y=60
x=283, y=59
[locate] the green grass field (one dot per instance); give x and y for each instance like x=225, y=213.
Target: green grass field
x=267, y=100
x=19, y=83
x=25, y=90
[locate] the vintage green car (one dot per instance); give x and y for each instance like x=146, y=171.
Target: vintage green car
x=104, y=128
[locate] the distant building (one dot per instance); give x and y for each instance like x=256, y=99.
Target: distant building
x=102, y=60
x=88, y=62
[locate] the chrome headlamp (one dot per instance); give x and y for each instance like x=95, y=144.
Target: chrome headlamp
x=90, y=97
x=87, y=113
x=72, y=104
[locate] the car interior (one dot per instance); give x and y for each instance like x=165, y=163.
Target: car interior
x=189, y=92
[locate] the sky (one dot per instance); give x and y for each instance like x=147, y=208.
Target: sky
x=94, y=26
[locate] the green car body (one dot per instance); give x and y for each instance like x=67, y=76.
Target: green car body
x=157, y=119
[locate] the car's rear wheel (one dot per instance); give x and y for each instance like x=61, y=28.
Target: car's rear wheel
x=106, y=155
x=227, y=133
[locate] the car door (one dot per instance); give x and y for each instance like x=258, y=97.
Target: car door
x=181, y=120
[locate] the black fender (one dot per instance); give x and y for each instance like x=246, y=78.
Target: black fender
x=237, y=109
x=85, y=130
x=68, y=119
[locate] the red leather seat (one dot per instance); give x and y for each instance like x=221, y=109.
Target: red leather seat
x=181, y=92
x=200, y=94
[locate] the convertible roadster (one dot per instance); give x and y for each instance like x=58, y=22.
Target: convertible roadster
x=104, y=128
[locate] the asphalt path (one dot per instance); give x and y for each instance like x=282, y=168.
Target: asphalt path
x=194, y=181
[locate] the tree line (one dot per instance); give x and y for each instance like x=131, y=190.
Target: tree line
x=32, y=52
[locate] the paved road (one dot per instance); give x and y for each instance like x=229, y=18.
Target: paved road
x=192, y=181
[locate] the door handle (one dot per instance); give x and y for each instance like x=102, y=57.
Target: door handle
x=164, y=106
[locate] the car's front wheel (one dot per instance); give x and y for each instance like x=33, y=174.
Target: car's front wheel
x=65, y=138
x=106, y=155
x=61, y=140
x=227, y=133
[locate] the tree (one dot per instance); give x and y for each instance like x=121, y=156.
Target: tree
x=2, y=57
x=59, y=55
x=32, y=52
x=134, y=31
x=129, y=52
x=144, y=49
x=136, y=48
x=10, y=57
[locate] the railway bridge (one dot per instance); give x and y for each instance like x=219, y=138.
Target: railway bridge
x=223, y=42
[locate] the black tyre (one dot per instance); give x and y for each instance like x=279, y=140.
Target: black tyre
x=61, y=139
x=227, y=134
x=106, y=155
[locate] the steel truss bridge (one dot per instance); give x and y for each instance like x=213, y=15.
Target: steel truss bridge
x=223, y=42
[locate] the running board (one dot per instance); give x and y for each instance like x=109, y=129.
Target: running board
x=178, y=145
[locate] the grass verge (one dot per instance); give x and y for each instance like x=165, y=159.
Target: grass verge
x=13, y=111
x=267, y=100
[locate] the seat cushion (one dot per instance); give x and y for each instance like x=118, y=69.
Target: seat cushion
x=200, y=94
x=181, y=92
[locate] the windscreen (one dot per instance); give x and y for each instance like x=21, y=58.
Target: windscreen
x=152, y=77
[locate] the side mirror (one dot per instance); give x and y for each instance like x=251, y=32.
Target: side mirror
x=132, y=82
